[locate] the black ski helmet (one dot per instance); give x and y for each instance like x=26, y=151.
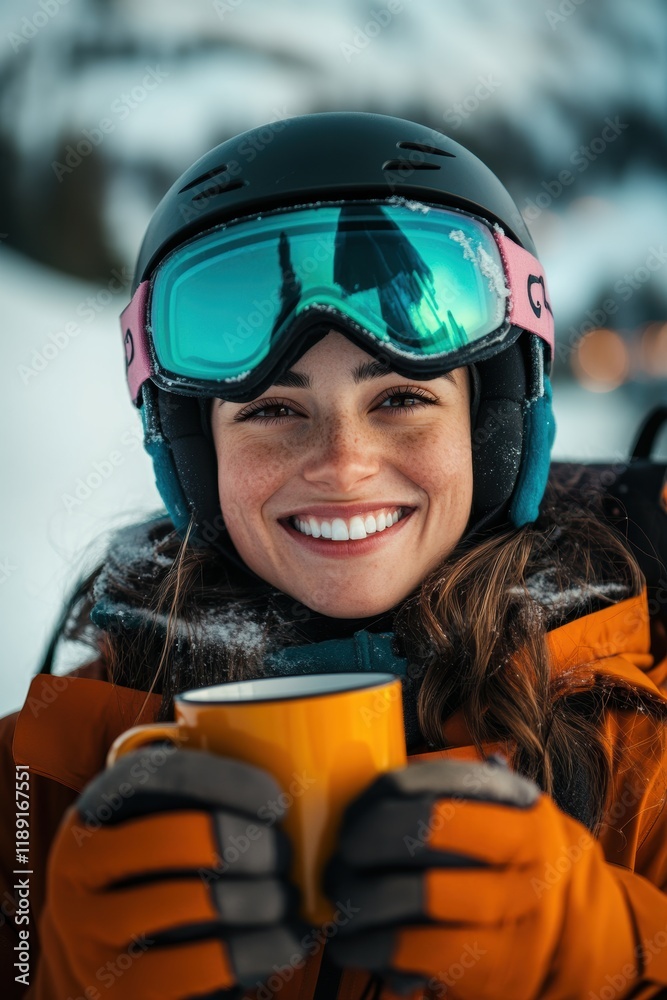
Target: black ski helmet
x=327, y=157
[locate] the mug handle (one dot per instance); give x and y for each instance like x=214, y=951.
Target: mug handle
x=140, y=736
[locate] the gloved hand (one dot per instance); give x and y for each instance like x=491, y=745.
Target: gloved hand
x=164, y=882
x=469, y=880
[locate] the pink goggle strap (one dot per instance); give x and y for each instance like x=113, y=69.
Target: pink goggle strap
x=530, y=304
x=135, y=340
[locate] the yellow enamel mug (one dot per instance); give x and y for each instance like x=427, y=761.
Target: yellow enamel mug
x=323, y=737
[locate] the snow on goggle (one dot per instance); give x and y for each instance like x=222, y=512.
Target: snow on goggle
x=426, y=288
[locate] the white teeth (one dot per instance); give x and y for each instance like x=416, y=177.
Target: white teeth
x=340, y=530
x=357, y=529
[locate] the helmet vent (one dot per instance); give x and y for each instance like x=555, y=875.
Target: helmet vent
x=209, y=175
x=220, y=188
x=423, y=148
x=408, y=165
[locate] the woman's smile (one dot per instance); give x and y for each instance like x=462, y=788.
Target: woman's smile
x=342, y=538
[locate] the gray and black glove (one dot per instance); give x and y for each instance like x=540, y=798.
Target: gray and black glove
x=165, y=881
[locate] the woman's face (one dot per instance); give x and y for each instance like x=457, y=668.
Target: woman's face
x=342, y=444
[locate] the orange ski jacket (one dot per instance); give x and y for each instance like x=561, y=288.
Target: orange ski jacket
x=67, y=724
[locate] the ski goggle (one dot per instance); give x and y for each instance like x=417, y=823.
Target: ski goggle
x=426, y=289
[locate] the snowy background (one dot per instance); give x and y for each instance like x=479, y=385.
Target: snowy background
x=529, y=85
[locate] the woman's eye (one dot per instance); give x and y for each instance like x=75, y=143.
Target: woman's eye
x=396, y=401
x=260, y=412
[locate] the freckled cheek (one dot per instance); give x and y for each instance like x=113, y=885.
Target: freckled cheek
x=247, y=479
x=442, y=478
x=437, y=462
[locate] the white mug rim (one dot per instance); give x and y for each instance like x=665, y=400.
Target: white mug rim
x=294, y=686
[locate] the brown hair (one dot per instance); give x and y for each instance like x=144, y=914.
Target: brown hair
x=474, y=632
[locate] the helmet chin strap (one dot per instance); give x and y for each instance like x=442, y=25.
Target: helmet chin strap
x=205, y=407
x=477, y=525
x=475, y=393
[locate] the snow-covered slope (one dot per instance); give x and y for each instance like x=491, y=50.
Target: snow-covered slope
x=66, y=418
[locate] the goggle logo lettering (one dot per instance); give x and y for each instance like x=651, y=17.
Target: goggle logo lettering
x=536, y=305
x=129, y=349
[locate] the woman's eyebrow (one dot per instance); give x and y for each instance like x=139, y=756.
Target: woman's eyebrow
x=363, y=372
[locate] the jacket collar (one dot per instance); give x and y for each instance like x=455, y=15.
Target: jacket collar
x=621, y=631
x=67, y=724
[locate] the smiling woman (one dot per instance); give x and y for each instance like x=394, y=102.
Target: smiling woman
x=341, y=352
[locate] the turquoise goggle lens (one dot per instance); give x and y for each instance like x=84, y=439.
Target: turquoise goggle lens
x=422, y=281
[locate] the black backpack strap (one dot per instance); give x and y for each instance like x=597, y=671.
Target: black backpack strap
x=648, y=433
x=633, y=498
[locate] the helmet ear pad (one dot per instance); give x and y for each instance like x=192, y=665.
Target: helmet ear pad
x=512, y=435
x=497, y=432
x=178, y=437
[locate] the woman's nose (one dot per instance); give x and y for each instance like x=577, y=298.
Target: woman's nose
x=341, y=455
